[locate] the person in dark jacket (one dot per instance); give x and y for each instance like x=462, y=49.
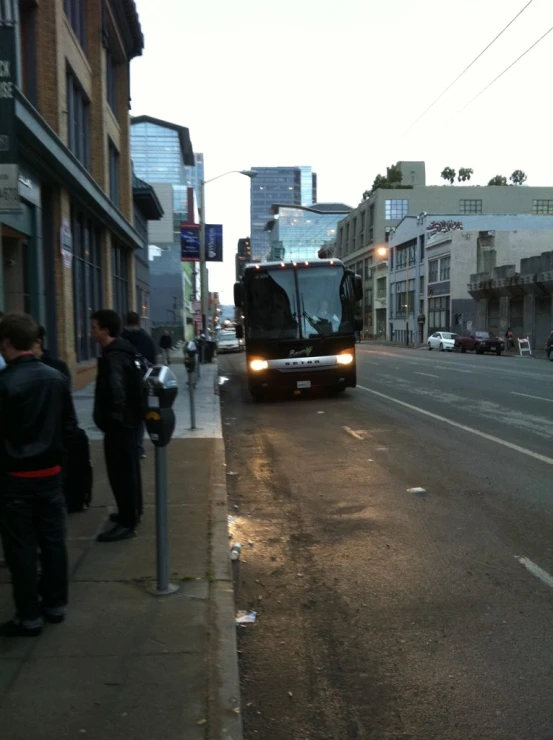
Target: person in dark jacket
x=118, y=413
x=44, y=355
x=166, y=343
x=144, y=345
x=37, y=419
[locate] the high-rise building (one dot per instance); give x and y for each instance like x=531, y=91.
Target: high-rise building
x=163, y=156
x=277, y=185
x=194, y=176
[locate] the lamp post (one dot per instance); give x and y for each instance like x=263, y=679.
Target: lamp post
x=203, y=267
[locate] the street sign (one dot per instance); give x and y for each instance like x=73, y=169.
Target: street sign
x=9, y=175
x=66, y=243
x=524, y=347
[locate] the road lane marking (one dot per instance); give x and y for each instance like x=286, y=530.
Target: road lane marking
x=353, y=434
x=527, y=395
x=536, y=571
x=477, y=432
x=370, y=362
x=428, y=375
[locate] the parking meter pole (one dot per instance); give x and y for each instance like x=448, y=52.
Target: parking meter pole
x=162, y=388
x=191, y=392
x=162, y=526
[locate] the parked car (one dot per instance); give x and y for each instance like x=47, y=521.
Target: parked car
x=549, y=347
x=479, y=342
x=228, y=342
x=442, y=340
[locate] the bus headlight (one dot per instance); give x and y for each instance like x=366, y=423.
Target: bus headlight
x=258, y=364
x=345, y=358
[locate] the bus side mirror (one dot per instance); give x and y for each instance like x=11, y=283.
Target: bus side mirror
x=358, y=287
x=238, y=295
x=357, y=324
x=239, y=331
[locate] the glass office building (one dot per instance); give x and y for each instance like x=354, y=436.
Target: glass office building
x=281, y=186
x=297, y=232
x=194, y=176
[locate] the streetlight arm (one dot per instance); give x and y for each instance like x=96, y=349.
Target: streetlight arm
x=247, y=173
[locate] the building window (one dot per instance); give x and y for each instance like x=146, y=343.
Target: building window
x=75, y=10
x=78, y=120
x=438, y=314
x=445, y=267
x=111, y=81
x=113, y=156
x=88, y=294
x=362, y=228
x=433, y=271
x=421, y=242
x=381, y=288
x=120, y=272
x=542, y=207
x=407, y=254
x=421, y=285
x=396, y=209
x=470, y=206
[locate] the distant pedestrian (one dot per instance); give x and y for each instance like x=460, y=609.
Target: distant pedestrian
x=36, y=421
x=509, y=338
x=144, y=345
x=166, y=343
x=118, y=413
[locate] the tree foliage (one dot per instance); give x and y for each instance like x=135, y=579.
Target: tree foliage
x=518, y=177
x=392, y=179
x=498, y=180
x=448, y=174
x=465, y=173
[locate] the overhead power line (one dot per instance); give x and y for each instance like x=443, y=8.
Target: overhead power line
x=506, y=70
x=440, y=96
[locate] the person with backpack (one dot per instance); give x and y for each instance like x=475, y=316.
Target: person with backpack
x=119, y=409
x=144, y=345
x=36, y=420
x=166, y=344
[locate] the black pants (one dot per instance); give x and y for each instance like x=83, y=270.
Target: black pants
x=32, y=516
x=123, y=466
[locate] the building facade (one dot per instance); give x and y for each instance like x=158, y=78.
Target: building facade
x=163, y=156
x=367, y=228
x=299, y=232
x=431, y=259
x=283, y=185
x=67, y=236
x=517, y=297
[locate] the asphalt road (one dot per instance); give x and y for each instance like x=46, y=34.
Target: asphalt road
x=385, y=611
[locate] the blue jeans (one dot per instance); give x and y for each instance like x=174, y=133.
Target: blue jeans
x=33, y=516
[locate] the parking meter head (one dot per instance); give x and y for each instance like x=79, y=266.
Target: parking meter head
x=162, y=386
x=190, y=351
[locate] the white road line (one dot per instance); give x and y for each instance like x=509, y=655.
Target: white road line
x=477, y=432
x=536, y=571
x=527, y=395
x=353, y=434
x=428, y=375
x=369, y=362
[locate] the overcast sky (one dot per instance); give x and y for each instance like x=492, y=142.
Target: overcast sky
x=336, y=87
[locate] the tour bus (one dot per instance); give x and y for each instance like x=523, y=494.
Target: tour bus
x=299, y=325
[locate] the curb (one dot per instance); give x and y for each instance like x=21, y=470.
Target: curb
x=224, y=710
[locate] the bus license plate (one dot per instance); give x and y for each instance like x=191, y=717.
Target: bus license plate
x=304, y=384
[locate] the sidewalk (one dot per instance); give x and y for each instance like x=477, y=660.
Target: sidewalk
x=127, y=664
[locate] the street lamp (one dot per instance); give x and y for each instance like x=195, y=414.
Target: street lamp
x=203, y=268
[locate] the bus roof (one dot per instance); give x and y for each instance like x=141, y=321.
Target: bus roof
x=293, y=263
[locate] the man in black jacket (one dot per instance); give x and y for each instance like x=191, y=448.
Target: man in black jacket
x=144, y=345
x=166, y=343
x=46, y=357
x=36, y=420
x=118, y=413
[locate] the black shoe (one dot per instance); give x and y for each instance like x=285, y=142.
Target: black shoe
x=115, y=518
x=16, y=629
x=53, y=618
x=116, y=533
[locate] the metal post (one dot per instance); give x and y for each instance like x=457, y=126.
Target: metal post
x=164, y=588
x=203, y=270
x=191, y=384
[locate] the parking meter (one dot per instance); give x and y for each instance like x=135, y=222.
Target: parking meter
x=162, y=387
x=161, y=383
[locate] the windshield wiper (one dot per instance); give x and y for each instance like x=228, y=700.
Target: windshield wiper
x=313, y=324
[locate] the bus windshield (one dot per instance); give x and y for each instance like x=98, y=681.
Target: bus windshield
x=319, y=304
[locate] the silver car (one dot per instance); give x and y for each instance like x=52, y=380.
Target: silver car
x=228, y=342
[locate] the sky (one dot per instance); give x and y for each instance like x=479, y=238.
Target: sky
x=336, y=86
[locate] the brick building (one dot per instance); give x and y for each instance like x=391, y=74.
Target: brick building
x=68, y=230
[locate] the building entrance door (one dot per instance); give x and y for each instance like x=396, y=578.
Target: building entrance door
x=15, y=273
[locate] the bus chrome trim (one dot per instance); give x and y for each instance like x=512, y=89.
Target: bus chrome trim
x=303, y=363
